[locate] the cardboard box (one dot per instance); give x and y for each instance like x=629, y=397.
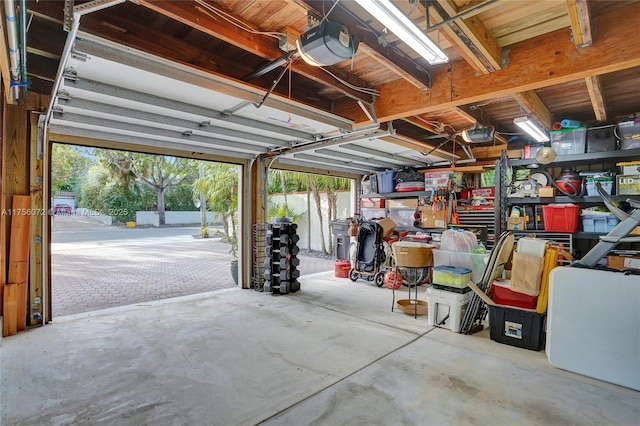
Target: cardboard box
x=431, y=220
x=372, y=203
x=516, y=223
x=546, y=191
x=629, y=167
x=388, y=225
x=628, y=184
x=623, y=262
x=403, y=203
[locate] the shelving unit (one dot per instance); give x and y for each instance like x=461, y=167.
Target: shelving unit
x=504, y=202
x=564, y=199
x=581, y=159
x=398, y=195
x=408, y=194
x=480, y=217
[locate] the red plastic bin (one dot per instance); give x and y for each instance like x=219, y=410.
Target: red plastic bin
x=560, y=217
x=503, y=295
x=342, y=268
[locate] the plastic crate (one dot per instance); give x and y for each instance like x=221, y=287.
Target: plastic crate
x=560, y=217
x=602, y=139
x=385, y=181
x=599, y=223
x=629, y=134
x=368, y=214
x=472, y=261
x=517, y=327
x=568, y=141
x=606, y=182
x=451, y=276
x=403, y=217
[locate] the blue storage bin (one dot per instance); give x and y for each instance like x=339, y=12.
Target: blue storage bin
x=599, y=223
x=385, y=181
x=606, y=182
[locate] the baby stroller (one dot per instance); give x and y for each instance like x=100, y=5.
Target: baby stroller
x=369, y=254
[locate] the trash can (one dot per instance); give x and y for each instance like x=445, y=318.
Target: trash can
x=341, y=240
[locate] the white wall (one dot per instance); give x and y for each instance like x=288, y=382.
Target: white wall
x=298, y=202
x=174, y=218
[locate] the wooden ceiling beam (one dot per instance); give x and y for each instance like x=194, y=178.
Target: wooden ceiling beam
x=532, y=103
x=547, y=60
x=494, y=152
x=580, y=22
x=417, y=145
x=195, y=16
x=594, y=86
x=453, y=37
x=424, y=124
x=386, y=56
x=474, y=36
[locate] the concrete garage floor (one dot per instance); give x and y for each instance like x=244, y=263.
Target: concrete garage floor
x=332, y=354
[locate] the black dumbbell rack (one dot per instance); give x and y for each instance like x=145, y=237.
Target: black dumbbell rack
x=281, y=262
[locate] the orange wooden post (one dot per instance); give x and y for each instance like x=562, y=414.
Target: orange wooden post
x=19, y=257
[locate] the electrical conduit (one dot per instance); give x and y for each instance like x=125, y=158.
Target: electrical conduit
x=14, y=58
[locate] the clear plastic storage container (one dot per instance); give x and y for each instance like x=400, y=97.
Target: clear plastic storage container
x=568, y=141
x=451, y=276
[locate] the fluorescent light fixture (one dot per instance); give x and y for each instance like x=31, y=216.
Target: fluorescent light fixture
x=399, y=24
x=533, y=129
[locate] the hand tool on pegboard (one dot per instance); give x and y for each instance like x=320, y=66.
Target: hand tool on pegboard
x=452, y=215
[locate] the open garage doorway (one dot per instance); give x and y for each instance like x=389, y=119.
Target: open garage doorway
x=129, y=228
x=311, y=202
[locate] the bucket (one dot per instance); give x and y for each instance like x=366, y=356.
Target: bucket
x=342, y=267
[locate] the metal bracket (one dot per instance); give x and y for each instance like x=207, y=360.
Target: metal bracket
x=63, y=94
x=95, y=5
x=313, y=19
x=504, y=57
x=68, y=15
x=70, y=74
x=371, y=115
x=40, y=140
x=79, y=56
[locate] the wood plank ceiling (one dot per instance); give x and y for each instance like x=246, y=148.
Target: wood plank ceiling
x=550, y=59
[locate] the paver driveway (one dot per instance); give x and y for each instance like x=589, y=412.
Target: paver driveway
x=94, y=266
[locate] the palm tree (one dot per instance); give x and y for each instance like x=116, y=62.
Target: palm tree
x=220, y=188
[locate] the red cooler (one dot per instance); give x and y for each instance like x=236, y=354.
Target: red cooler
x=503, y=295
